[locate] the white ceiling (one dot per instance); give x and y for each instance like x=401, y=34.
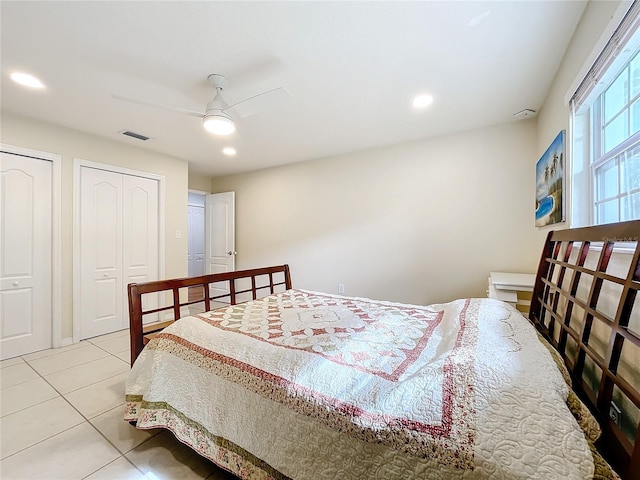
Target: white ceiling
x=352, y=69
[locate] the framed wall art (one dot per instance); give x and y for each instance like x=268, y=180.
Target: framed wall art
x=550, y=184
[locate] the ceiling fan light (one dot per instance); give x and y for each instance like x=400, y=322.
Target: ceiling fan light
x=219, y=124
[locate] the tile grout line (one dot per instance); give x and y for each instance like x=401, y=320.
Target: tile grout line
x=60, y=396
x=52, y=351
x=84, y=420
x=66, y=368
x=87, y=420
x=55, y=389
x=122, y=455
x=88, y=384
x=110, y=353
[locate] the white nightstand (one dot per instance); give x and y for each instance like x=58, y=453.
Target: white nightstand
x=513, y=288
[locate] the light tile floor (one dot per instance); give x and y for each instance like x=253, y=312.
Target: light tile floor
x=62, y=418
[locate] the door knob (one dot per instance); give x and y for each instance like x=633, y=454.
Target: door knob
x=231, y=253
x=15, y=284
x=106, y=274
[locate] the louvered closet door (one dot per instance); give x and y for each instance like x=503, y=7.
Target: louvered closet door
x=25, y=254
x=119, y=245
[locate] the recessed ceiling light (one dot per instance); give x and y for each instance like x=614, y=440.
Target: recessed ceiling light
x=422, y=101
x=229, y=151
x=475, y=21
x=26, y=80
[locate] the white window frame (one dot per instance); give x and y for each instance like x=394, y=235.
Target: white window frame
x=613, y=53
x=600, y=158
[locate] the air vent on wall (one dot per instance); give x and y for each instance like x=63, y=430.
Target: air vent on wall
x=131, y=134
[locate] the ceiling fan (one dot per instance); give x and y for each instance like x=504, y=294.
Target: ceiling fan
x=217, y=117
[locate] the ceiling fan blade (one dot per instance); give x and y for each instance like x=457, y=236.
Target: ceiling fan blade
x=258, y=103
x=156, y=105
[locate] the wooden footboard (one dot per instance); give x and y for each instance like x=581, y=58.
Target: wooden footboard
x=231, y=288
x=586, y=303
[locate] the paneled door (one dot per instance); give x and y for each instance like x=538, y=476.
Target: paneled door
x=220, y=236
x=140, y=238
x=196, y=240
x=25, y=254
x=118, y=241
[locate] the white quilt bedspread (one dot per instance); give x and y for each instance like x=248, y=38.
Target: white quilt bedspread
x=307, y=385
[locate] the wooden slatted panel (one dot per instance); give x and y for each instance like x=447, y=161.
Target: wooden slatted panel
x=561, y=300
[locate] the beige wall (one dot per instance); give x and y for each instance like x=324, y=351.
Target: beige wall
x=70, y=144
x=199, y=182
x=554, y=114
x=419, y=222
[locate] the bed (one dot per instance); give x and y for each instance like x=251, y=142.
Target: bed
x=281, y=383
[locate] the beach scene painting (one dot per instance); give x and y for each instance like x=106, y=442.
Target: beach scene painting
x=550, y=184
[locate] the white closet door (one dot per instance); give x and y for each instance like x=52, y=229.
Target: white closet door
x=101, y=281
x=140, y=237
x=118, y=241
x=25, y=254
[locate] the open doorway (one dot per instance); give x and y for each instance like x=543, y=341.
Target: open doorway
x=196, y=240
x=211, y=237
x=196, y=234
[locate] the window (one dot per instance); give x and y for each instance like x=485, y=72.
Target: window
x=606, y=132
x=616, y=153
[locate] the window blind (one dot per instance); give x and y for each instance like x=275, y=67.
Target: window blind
x=619, y=40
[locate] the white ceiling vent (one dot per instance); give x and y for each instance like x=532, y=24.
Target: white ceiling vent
x=131, y=134
x=526, y=113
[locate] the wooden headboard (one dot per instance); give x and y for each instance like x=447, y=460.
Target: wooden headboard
x=232, y=287
x=586, y=304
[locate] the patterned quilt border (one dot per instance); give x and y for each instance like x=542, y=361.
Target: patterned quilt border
x=224, y=453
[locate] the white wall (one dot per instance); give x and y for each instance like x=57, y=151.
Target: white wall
x=419, y=222
x=70, y=144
